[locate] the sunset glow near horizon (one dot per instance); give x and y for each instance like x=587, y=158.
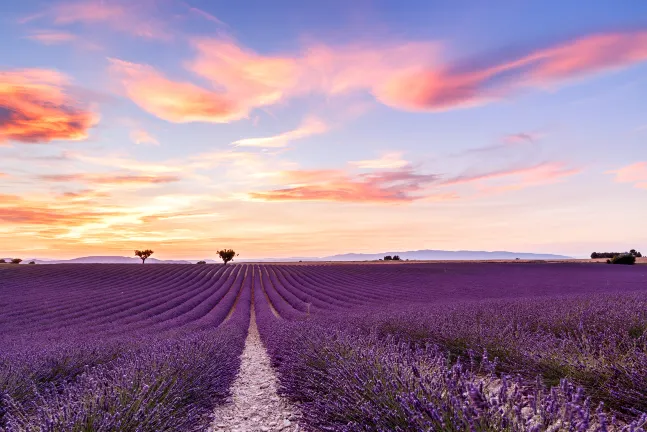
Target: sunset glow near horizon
x=293, y=128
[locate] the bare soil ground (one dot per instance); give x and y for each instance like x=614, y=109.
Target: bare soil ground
x=255, y=405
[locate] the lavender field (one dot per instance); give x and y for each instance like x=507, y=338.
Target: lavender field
x=356, y=347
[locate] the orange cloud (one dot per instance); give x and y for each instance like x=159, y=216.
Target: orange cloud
x=310, y=126
x=112, y=179
x=635, y=173
x=14, y=209
x=34, y=108
x=445, y=88
x=140, y=136
x=178, y=102
x=335, y=185
x=52, y=37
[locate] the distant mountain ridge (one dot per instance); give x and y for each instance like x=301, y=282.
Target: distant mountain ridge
x=424, y=254
x=431, y=254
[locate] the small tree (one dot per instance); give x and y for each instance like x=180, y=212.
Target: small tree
x=201, y=262
x=227, y=255
x=16, y=261
x=594, y=255
x=396, y=258
x=144, y=254
x=388, y=258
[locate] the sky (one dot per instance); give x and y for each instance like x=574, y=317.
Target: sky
x=291, y=128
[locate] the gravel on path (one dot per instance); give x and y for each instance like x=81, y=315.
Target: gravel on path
x=255, y=405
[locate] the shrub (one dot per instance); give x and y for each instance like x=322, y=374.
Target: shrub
x=201, y=262
x=608, y=261
x=32, y=262
x=16, y=261
x=388, y=258
x=396, y=258
x=3, y=261
x=624, y=259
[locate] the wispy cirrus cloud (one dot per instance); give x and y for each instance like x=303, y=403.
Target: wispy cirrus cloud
x=52, y=37
x=174, y=101
x=543, y=172
x=392, y=160
x=402, y=185
x=635, y=173
x=310, y=126
x=438, y=89
x=111, y=179
x=141, y=136
x=406, y=75
x=18, y=210
x=35, y=108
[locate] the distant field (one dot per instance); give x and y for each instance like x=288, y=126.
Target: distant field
x=412, y=346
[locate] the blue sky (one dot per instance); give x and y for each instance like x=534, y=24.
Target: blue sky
x=310, y=128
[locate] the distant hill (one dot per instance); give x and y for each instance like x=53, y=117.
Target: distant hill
x=111, y=260
x=425, y=254
x=429, y=254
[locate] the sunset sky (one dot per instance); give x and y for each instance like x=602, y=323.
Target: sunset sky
x=308, y=128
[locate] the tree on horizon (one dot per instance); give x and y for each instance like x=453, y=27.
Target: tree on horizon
x=227, y=255
x=144, y=254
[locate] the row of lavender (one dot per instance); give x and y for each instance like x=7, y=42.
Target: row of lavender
x=478, y=347
x=119, y=348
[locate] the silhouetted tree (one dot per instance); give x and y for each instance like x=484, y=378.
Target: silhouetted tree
x=32, y=262
x=388, y=258
x=201, y=262
x=594, y=255
x=625, y=258
x=227, y=255
x=144, y=254
x=16, y=261
x=396, y=258
x=635, y=253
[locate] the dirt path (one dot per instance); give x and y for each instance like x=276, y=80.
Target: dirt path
x=255, y=405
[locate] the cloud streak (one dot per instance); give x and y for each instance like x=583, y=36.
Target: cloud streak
x=140, y=136
x=178, y=102
x=34, y=108
x=635, y=173
x=310, y=126
x=438, y=89
x=49, y=37
x=111, y=179
x=402, y=185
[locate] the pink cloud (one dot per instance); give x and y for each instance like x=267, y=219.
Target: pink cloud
x=34, y=108
x=52, y=37
x=403, y=75
x=336, y=185
x=174, y=101
x=310, y=126
x=141, y=136
x=541, y=173
x=635, y=173
x=136, y=18
x=445, y=88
